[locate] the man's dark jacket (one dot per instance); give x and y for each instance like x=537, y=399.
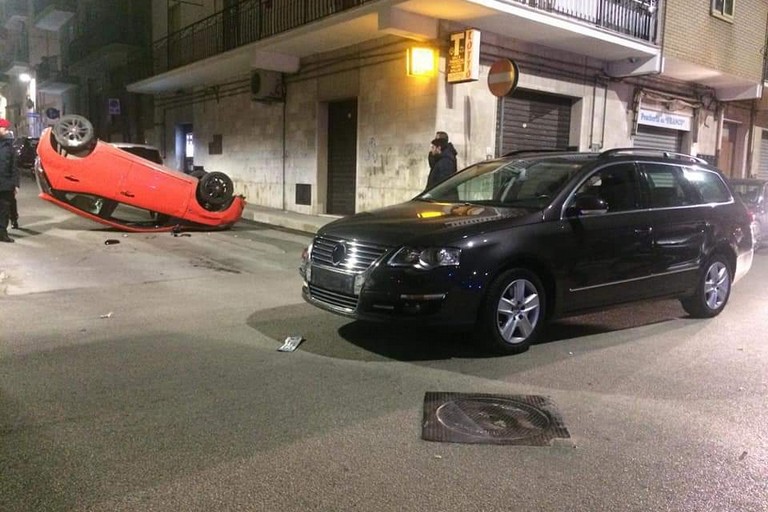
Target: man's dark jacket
x=433, y=158
x=444, y=168
x=9, y=174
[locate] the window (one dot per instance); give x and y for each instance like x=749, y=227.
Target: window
x=616, y=185
x=723, y=8
x=666, y=187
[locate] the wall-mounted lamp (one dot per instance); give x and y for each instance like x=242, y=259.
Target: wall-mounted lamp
x=421, y=61
x=25, y=77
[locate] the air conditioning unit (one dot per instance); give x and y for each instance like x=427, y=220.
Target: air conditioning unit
x=267, y=86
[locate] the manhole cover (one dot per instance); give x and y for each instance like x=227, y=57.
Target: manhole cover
x=491, y=419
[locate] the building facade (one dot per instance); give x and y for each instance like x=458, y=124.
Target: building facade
x=76, y=57
x=309, y=107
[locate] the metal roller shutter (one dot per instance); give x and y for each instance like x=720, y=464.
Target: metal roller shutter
x=531, y=120
x=658, y=138
x=762, y=171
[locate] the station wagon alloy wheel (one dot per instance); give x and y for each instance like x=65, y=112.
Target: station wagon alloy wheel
x=717, y=285
x=514, y=311
x=713, y=291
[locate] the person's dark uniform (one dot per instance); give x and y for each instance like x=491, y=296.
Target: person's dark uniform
x=445, y=163
x=9, y=180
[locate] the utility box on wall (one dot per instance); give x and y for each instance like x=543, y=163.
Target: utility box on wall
x=267, y=86
x=304, y=194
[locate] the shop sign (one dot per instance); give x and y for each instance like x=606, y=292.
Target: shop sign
x=664, y=120
x=464, y=57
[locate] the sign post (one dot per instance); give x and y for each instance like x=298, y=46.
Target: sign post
x=503, y=77
x=502, y=81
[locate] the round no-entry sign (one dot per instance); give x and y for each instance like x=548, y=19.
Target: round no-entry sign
x=502, y=77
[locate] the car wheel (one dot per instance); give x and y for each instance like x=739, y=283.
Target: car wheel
x=713, y=290
x=74, y=134
x=513, y=315
x=215, y=188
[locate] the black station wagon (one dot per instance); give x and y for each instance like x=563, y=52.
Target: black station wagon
x=507, y=244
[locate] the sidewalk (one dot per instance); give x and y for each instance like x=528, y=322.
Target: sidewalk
x=287, y=219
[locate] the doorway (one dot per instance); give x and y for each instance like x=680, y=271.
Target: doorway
x=342, y=157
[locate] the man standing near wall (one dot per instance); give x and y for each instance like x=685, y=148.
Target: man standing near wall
x=9, y=178
x=445, y=162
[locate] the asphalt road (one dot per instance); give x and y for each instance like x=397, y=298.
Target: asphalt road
x=144, y=376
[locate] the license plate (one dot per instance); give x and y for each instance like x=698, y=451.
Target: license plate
x=333, y=281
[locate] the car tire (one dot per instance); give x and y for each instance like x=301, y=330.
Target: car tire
x=513, y=315
x=712, y=291
x=215, y=189
x=74, y=134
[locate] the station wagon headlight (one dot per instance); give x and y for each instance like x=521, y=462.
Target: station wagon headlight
x=428, y=258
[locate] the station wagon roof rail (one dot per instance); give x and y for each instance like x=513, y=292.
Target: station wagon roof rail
x=653, y=152
x=538, y=150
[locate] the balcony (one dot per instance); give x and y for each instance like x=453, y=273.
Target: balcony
x=53, y=14
x=51, y=79
x=254, y=32
x=244, y=23
x=107, y=41
x=633, y=18
x=14, y=12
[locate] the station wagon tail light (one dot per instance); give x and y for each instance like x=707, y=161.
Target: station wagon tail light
x=426, y=259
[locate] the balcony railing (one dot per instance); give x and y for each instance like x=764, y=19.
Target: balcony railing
x=243, y=23
x=634, y=18
x=253, y=20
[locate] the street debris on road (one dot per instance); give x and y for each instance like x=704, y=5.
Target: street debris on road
x=290, y=344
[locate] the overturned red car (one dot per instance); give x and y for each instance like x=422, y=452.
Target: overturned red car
x=106, y=184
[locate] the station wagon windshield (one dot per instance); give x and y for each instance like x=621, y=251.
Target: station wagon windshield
x=517, y=183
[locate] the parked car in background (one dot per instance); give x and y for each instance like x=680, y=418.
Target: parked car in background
x=144, y=151
x=507, y=244
x=754, y=193
x=111, y=185
x=26, y=151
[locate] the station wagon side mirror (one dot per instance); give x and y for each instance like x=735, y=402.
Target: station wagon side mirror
x=587, y=205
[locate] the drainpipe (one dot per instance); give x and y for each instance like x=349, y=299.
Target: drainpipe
x=592, y=124
x=605, y=114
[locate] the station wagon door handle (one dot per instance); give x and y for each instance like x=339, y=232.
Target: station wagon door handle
x=643, y=231
x=71, y=178
x=126, y=193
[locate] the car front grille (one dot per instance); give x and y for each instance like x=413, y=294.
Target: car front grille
x=349, y=257
x=358, y=257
